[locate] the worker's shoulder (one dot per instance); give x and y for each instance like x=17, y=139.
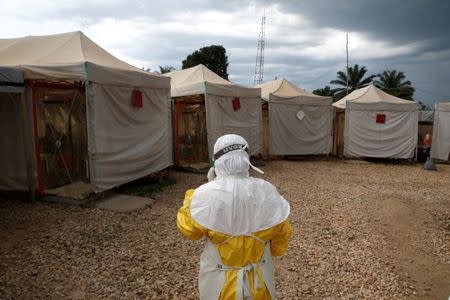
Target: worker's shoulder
x=205, y=187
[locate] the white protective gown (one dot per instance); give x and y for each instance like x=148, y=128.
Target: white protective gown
x=237, y=205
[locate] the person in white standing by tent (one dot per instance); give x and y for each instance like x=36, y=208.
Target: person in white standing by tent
x=244, y=220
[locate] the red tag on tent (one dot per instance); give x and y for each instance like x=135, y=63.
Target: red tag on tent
x=381, y=119
x=137, y=98
x=236, y=104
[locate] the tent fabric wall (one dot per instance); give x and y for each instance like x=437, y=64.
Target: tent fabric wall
x=440, y=146
x=126, y=142
x=290, y=136
x=396, y=138
x=222, y=119
x=287, y=134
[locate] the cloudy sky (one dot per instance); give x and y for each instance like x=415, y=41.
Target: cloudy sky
x=305, y=40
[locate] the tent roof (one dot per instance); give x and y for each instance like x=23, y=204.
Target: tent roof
x=283, y=88
x=72, y=56
x=443, y=106
x=371, y=97
x=201, y=80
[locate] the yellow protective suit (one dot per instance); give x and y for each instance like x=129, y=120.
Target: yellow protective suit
x=238, y=251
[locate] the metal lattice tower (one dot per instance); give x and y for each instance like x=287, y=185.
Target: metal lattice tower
x=259, y=67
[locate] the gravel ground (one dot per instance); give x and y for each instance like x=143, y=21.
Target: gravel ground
x=361, y=230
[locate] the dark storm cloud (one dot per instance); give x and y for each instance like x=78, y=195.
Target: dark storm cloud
x=397, y=21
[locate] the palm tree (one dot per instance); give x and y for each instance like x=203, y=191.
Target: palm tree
x=355, y=81
x=326, y=91
x=166, y=69
x=393, y=82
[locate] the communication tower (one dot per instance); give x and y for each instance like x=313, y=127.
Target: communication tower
x=259, y=67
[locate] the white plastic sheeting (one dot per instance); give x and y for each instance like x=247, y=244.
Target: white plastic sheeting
x=395, y=137
x=234, y=203
x=289, y=134
x=125, y=142
x=440, y=144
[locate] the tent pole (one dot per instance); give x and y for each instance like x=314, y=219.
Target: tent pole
x=346, y=47
x=28, y=154
x=177, y=132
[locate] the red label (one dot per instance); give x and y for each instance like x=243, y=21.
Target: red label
x=137, y=98
x=236, y=104
x=381, y=119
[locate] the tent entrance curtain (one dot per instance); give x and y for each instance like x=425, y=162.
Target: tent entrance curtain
x=62, y=135
x=265, y=117
x=15, y=146
x=191, y=145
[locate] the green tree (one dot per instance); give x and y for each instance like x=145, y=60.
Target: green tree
x=356, y=81
x=213, y=57
x=166, y=69
x=394, y=83
x=326, y=91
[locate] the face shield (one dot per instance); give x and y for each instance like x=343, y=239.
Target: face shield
x=231, y=157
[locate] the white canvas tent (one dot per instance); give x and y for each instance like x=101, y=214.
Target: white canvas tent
x=440, y=144
x=300, y=123
x=218, y=94
x=124, y=139
x=378, y=124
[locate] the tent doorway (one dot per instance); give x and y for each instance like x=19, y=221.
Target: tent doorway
x=61, y=134
x=191, y=144
x=338, y=133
